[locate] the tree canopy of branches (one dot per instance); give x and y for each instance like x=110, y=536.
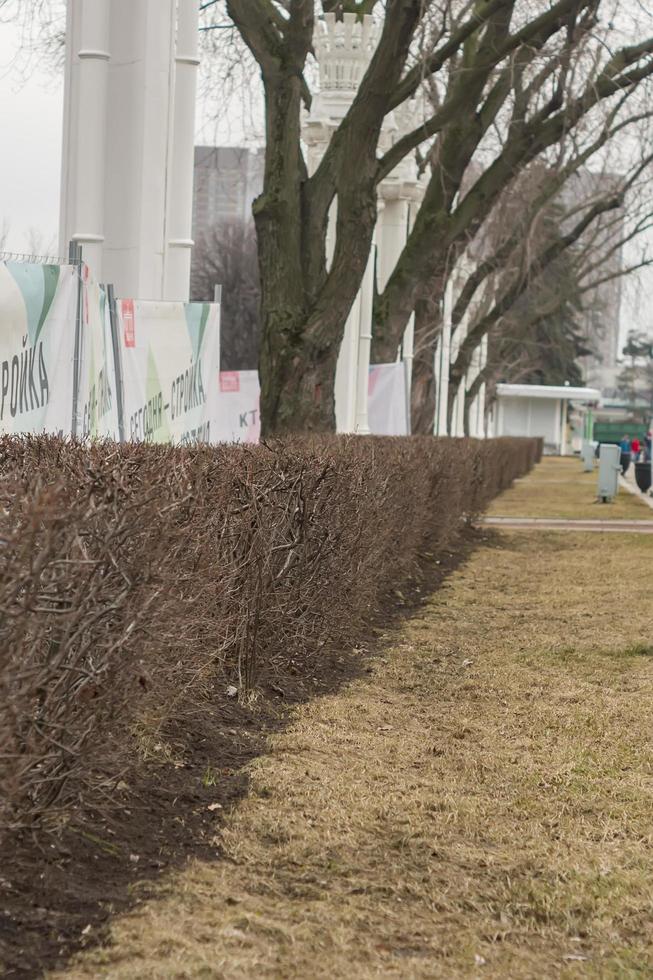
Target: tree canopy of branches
x=504, y=83
x=541, y=340
x=507, y=81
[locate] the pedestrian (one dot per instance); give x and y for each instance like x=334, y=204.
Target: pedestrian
x=647, y=447
x=635, y=447
x=624, y=447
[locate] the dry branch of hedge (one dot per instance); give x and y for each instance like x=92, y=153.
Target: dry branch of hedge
x=133, y=577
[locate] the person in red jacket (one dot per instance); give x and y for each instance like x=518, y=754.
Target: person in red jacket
x=635, y=447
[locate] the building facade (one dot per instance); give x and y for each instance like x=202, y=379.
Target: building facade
x=227, y=180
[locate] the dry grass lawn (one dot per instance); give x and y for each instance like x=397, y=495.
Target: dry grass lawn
x=480, y=806
x=559, y=488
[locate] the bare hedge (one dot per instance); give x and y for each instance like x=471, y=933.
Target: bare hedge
x=133, y=577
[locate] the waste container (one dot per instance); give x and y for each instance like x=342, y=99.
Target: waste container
x=608, y=472
x=643, y=476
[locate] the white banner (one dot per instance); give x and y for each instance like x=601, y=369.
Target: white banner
x=387, y=400
x=239, y=418
x=238, y=403
x=37, y=342
x=170, y=366
x=173, y=389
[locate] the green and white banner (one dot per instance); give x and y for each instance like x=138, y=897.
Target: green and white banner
x=97, y=403
x=170, y=356
x=169, y=363
x=37, y=342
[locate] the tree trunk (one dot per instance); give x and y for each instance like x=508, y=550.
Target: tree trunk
x=423, y=394
x=470, y=395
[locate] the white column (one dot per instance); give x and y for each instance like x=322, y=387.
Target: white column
x=346, y=372
x=444, y=345
x=481, y=428
x=556, y=425
x=437, y=374
x=365, y=345
x=477, y=407
x=330, y=244
x=83, y=177
x=481, y=432
x=392, y=233
x=458, y=422
x=407, y=356
x=563, y=427
x=457, y=426
x=498, y=415
x=408, y=345
x=179, y=210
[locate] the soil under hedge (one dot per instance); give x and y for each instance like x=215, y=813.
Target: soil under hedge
x=139, y=586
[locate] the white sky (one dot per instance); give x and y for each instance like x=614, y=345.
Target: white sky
x=31, y=115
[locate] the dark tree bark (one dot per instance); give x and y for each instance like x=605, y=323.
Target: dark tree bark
x=303, y=307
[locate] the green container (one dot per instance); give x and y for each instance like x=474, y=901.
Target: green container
x=614, y=431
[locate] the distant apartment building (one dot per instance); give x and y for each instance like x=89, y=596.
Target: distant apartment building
x=227, y=180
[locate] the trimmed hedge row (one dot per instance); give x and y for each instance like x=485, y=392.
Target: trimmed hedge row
x=134, y=576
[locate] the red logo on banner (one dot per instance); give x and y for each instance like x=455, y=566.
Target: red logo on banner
x=229, y=381
x=128, y=322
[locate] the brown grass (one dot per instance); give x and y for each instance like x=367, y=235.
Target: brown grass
x=559, y=488
x=480, y=806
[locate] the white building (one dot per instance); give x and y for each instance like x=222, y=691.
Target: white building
x=539, y=410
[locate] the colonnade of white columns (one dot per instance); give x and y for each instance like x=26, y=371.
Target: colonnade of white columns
x=128, y=151
x=343, y=51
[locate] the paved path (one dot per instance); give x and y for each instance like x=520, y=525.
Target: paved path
x=629, y=483
x=563, y=524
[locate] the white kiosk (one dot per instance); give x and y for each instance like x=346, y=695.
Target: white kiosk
x=538, y=410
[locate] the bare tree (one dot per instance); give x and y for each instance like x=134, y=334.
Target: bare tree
x=526, y=257
x=227, y=256
x=510, y=81
x=42, y=26
x=546, y=327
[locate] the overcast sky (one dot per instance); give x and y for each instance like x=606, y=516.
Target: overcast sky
x=30, y=161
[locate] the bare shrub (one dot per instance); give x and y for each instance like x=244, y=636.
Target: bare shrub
x=136, y=578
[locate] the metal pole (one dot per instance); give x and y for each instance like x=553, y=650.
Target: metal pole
x=75, y=258
x=117, y=360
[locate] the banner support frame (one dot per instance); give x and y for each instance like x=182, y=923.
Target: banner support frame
x=75, y=258
x=117, y=360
